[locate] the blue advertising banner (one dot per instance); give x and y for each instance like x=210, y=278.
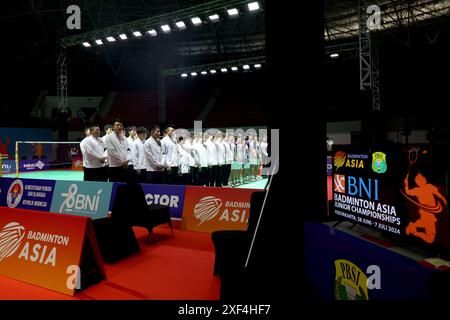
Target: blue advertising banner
x=348, y=267
x=33, y=165
x=8, y=166
x=329, y=166
x=30, y=194
x=166, y=195
x=82, y=198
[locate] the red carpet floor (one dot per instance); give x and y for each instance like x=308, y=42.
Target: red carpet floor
x=167, y=268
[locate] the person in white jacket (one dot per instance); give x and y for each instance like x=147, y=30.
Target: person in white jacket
x=132, y=134
x=183, y=162
x=119, y=153
x=252, y=156
x=233, y=169
x=212, y=159
x=201, y=160
x=220, y=154
x=193, y=171
x=138, y=155
x=131, y=130
x=229, y=157
x=92, y=149
x=239, y=156
x=264, y=153
x=170, y=155
x=153, y=157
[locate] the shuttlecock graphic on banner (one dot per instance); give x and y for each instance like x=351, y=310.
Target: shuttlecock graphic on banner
x=10, y=238
x=339, y=159
x=207, y=208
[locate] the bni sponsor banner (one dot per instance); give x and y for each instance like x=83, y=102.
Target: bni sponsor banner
x=33, y=165
x=41, y=248
x=83, y=198
x=165, y=195
x=30, y=194
x=209, y=209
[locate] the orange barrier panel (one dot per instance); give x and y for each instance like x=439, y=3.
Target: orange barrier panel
x=45, y=249
x=208, y=209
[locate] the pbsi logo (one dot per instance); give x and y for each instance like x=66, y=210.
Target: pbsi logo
x=351, y=283
x=356, y=186
x=14, y=194
x=10, y=238
x=379, y=164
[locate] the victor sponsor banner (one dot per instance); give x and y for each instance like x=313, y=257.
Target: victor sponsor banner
x=165, y=195
x=41, y=248
x=33, y=165
x=85, y=198
x=210, y=209
x=31, y=194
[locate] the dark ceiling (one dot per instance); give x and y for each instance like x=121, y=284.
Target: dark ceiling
x=30, y=30
x=413, y=66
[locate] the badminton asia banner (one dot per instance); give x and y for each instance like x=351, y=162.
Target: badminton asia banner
x=210, y=209
x=85, y=198
x=41, y=248
x=165, y=195
x=398, y=190
x=31, y=194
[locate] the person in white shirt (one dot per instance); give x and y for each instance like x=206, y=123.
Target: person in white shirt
x=131, y=134
x=245, y=163
x=138, y=155
x=259, y=157
x=212, y=160
x=108, y=130
x=252, y=156
x=240, y=154
x=170, y=156
x=92, y=149
x=201, y=160
x=131, y=130
x=193, y=170
x=183, y=162
x=153, y=157
x=220, y=152
x=87, y=131
x=228, y=159
x=233, y=169
x=119, y=154
x=264, y=153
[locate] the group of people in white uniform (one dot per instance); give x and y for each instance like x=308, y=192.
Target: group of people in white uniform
x=201, y=159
